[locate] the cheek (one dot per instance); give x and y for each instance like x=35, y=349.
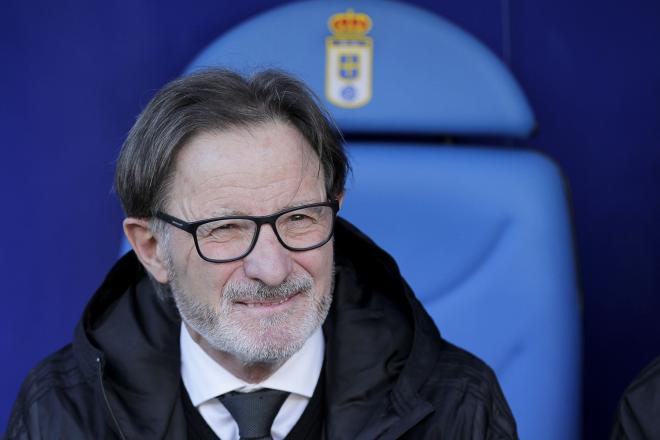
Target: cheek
x=318, y=263
x=202, y=279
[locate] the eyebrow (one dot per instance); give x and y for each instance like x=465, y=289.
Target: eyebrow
x=228, y=212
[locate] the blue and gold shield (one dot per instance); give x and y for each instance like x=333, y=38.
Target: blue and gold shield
x=349, y=57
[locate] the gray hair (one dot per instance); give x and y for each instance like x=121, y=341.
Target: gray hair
x=212, y=100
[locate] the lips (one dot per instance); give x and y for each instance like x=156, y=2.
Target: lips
x=266, y=303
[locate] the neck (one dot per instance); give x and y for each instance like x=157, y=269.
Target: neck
x=253, y=372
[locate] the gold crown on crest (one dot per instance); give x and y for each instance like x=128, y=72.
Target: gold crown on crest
x=349, y=22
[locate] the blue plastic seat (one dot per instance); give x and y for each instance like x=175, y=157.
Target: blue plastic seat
x=482, y=234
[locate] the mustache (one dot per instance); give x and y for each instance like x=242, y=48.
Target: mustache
x=255, y=291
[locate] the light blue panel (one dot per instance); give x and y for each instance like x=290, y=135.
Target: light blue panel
x=484, y=238
x=429, y=76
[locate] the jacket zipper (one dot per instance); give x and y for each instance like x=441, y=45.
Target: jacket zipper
x=105, y=398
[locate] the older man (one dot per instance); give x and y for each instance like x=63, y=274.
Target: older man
x=247, y=309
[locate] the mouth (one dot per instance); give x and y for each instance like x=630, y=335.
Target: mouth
x=268, y=304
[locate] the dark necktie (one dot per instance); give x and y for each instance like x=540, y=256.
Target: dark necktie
x=254, y=412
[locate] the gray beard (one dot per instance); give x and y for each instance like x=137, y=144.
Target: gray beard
x=246, y=339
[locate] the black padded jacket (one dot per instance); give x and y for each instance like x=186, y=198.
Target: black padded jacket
x=637, y=415
x=388, y=373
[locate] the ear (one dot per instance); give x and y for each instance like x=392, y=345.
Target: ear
x=146, y=247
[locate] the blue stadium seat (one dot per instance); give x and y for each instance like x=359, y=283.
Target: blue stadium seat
x=482, y=233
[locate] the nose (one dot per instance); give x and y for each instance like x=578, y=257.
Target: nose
x=269, y=262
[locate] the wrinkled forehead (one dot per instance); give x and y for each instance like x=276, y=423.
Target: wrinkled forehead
x=265, y=163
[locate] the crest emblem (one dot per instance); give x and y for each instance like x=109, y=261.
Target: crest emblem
x=348, y=60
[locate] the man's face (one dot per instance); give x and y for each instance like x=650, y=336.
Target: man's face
x=263, y=307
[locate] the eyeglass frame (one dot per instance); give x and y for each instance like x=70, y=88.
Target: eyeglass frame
x=191, y=228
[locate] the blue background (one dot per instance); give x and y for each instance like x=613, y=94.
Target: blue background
x=76, y=73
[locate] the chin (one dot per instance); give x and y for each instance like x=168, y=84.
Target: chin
x=253, y=333
x=266, y=340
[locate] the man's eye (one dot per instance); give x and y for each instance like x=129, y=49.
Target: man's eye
x=299, y=218
x=225, y=227
x=299, y=221
x=218, y=230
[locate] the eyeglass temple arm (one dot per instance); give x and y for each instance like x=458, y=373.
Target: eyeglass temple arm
x=188, y=227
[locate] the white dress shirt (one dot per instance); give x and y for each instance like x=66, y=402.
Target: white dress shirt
x=205, y=380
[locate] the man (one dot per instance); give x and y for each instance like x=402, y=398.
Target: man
x=247, y=308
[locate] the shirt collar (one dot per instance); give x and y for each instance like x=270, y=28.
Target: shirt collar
x=205, y=379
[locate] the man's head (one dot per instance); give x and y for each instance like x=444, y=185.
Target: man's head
x=215, y=145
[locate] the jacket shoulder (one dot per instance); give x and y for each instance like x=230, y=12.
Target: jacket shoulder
x=637, y=414
x=463, y=387
x=457, y=366
x=53, y=378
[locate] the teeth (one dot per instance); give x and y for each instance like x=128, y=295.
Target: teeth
x=252, y=305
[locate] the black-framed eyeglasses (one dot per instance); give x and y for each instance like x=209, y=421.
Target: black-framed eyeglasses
x=225, y=239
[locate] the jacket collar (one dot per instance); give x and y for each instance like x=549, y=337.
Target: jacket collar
x=127, y=347
x=391, y=342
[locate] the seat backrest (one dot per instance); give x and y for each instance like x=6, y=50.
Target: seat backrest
x=424, y=75
x=482, y=234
